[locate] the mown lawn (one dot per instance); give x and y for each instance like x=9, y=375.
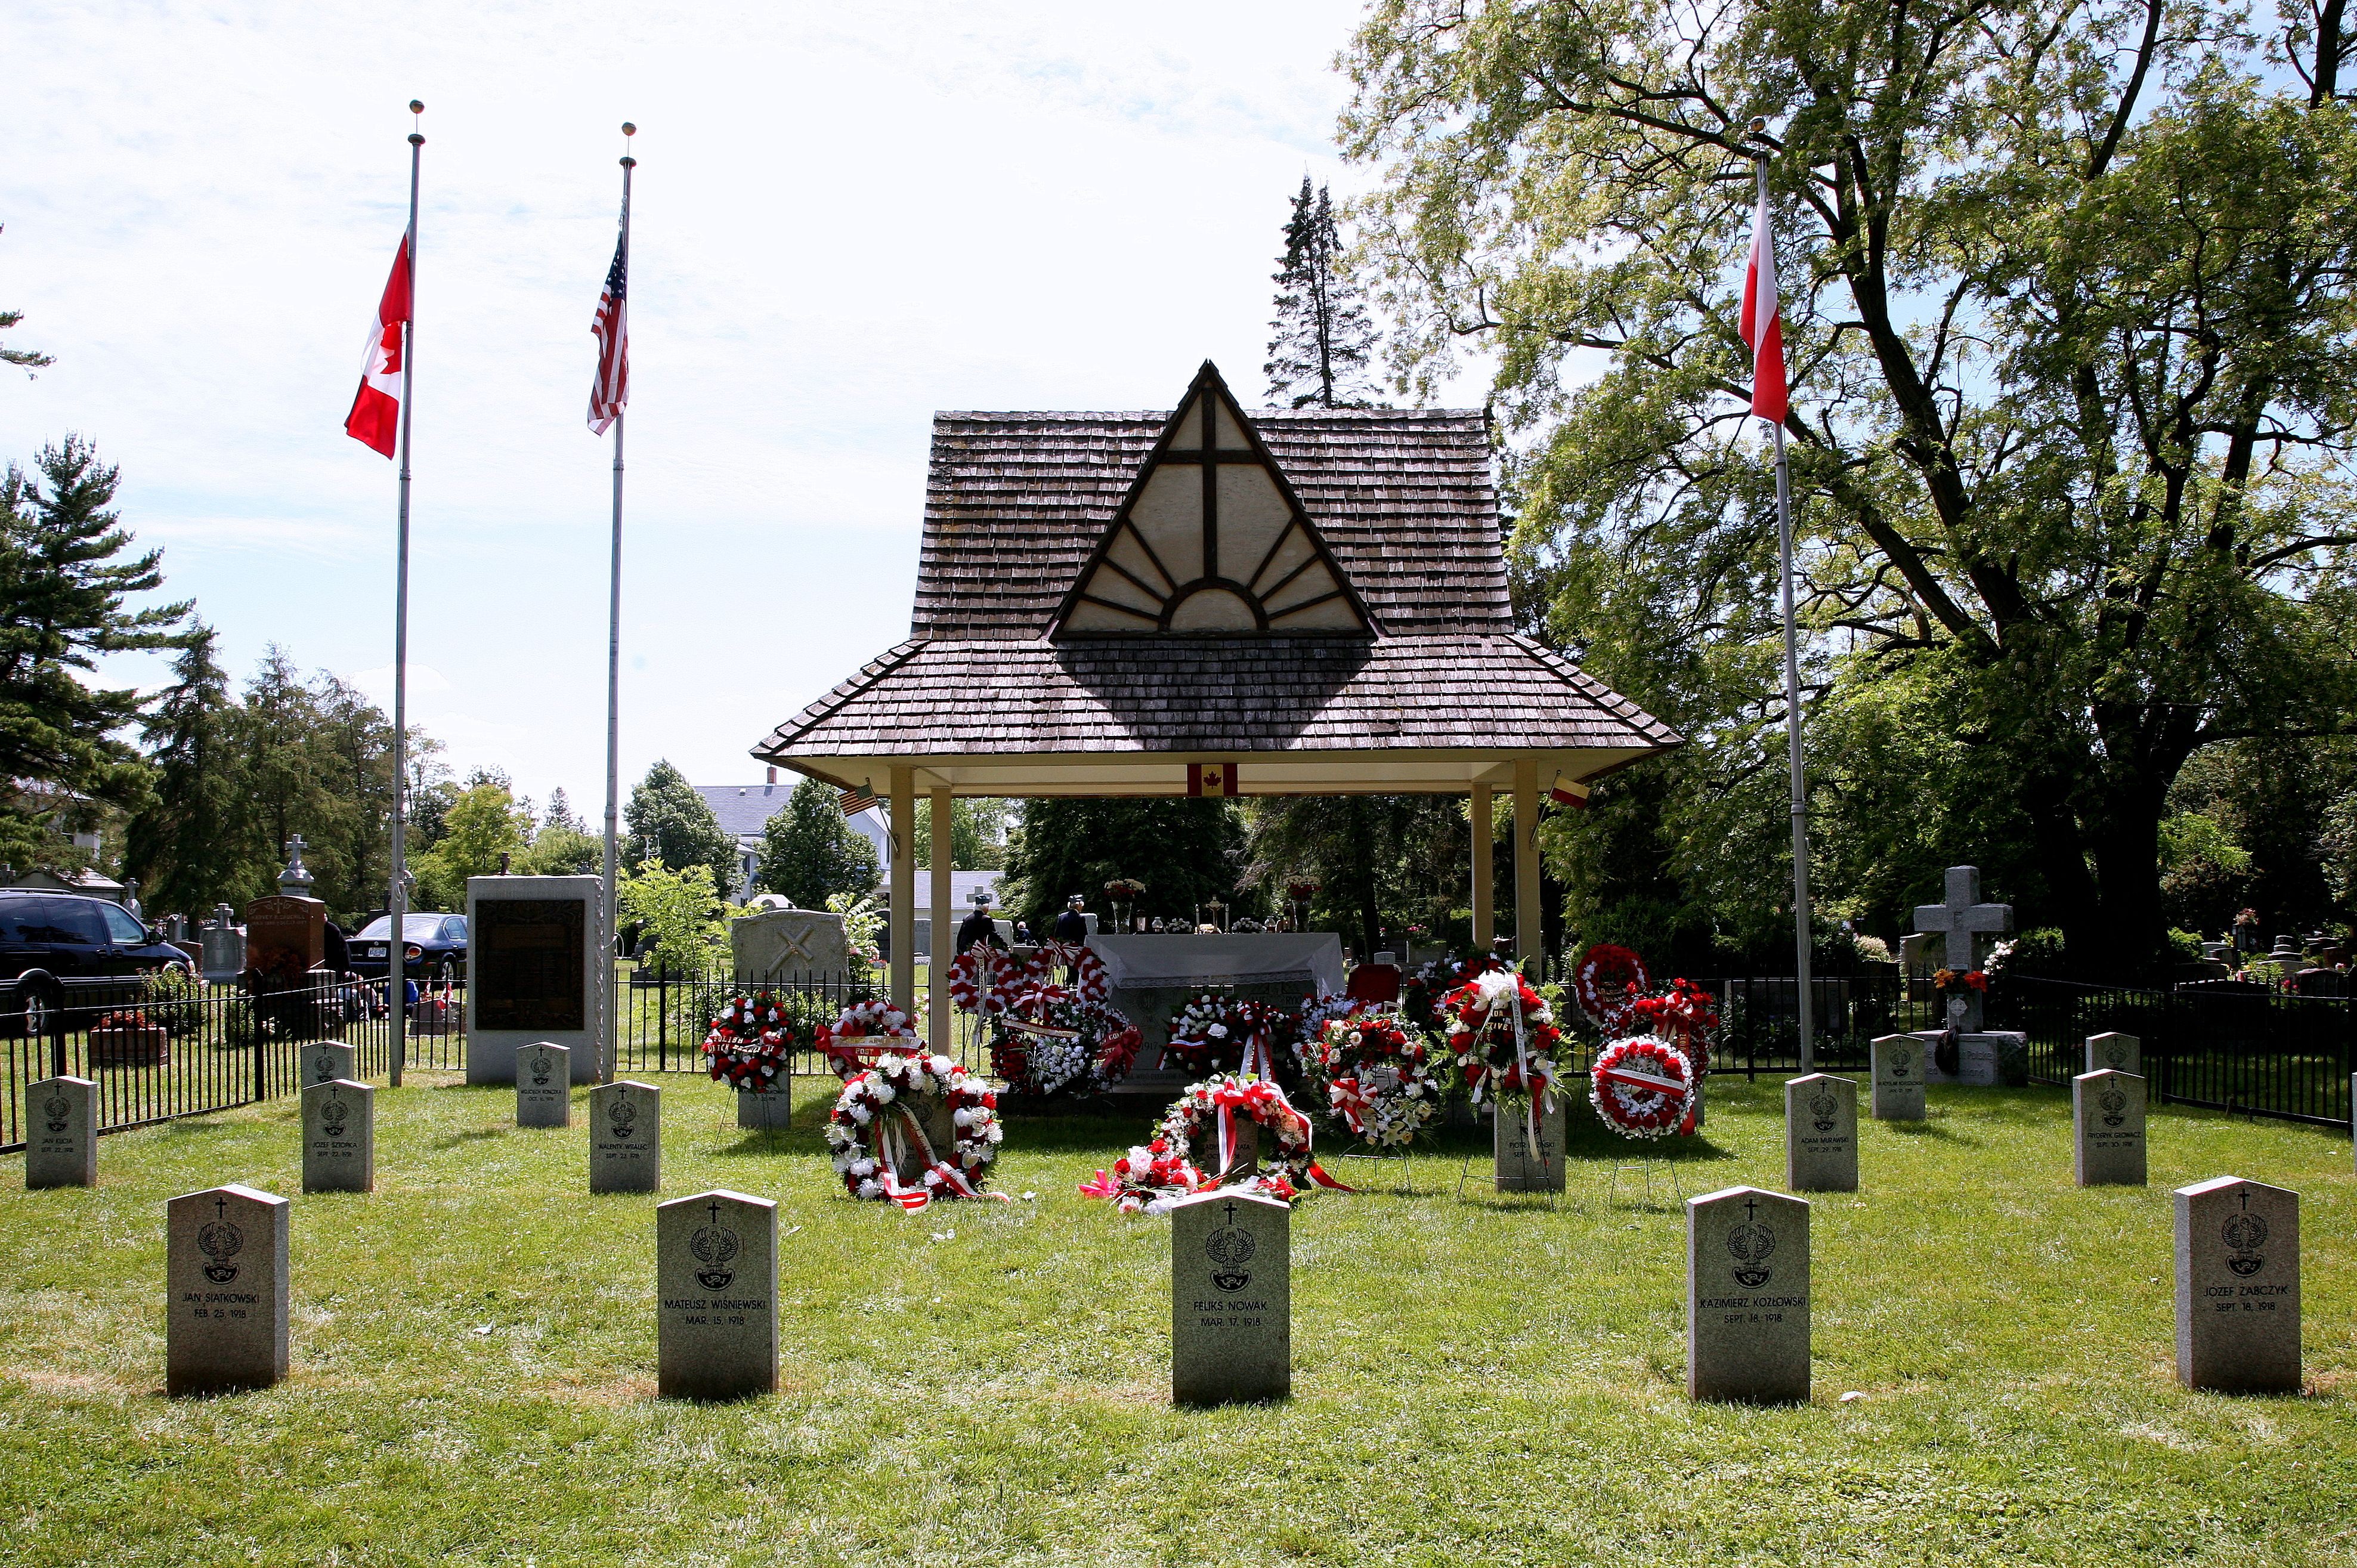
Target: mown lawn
x=1477, y=1379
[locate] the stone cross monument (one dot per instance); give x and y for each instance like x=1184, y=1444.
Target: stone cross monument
x=1962, y=917
x=294, y=882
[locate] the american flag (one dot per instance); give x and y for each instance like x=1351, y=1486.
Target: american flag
x=611, y=389
x=858, y=800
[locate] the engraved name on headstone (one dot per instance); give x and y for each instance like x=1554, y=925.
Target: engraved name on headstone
x=2107, y=1147
x=1820, y=1133
x=715, y=1296
x=768, y=1108
x=1525, y=1163
x=339, y=1136
x=225, y=1288
x=61, y=1133
x=2238, y=1286
x=1230, y=1298
x=1897, y=1092
x=2120, y=1053
x=544, y=1086
x=1748, y=1297
x=324, y=1061
x=626, y=1137
x=286, y=938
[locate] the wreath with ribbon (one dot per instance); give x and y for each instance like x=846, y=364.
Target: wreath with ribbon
x=1643, y=1088
x=1502, y=1039
x=986, y=980
x=863, y=1031
x=1049, y=1040
x=1087, y=976
x=1201, y=1039
x=751, y=1044
x=1604, y=980
x=1686, y=1015
x=881, y=1148
x=1379, y=1079
x=1205, y=1121
x=1148, y=1178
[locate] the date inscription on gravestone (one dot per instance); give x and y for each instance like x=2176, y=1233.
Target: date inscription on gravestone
x=525, y=964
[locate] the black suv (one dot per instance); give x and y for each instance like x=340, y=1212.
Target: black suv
x=69, y=949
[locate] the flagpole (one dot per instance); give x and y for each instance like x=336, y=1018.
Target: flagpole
x=1792, y=718
x=396, y=903
x=610, y=922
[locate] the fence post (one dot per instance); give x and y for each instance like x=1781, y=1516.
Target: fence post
x=261, y=1049
x=58, y=1041
x=662, y=1018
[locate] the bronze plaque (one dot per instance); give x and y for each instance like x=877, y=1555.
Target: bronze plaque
x=524, y=963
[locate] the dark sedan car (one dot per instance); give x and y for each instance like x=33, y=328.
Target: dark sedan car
x=69, y=949
x=435, y=954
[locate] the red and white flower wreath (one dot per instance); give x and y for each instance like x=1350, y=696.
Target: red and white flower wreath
x=1605, y=982
x=878, y=1135
x=1049, y=1040
x=750, y=1043
x=1642, y=1087
x=1089, y=978
x=1378, y=1080
x=864, y=1030
x=1503, y=1039
x=1204, y=1122
x=985, y=980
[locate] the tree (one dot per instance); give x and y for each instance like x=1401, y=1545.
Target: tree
x=2072, y=344
x=978, y=834
x=1381, y=862
x=28, y=358
x=564, y=846
x=186, y=847
x=1321, y=341
x=484, y=824
x=682, y=921
x=285, y=791
x=809, y=853
x=669, y=822
x=1186, y=852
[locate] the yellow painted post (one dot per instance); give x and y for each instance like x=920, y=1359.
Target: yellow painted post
x=943, y=945
x=1529, y=938
x=904, y=888
x=1485, y=887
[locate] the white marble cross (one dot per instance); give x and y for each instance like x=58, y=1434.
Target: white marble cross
x=1962, y=917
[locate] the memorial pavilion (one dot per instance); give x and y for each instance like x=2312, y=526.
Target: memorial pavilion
x=1207, y=602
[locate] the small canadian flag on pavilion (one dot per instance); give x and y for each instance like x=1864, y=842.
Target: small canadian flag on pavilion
x=1762, y=324
x=1568, y=792
x=1215, y=781
x=375, y=419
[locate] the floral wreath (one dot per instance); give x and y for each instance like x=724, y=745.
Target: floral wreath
x=985, y=980
x=1311, y=1019
x=1643, y=1088
x=1504, y=1038
x=1088, y=980
x=1684, y=1016
x=1048, y=1040
x=1201, y=1039
x=1149, y=1177
x=863, y=1029
x=1378, y=1079
x=1604, y=980
x=1205, y=1119
x=751, y=1044
x=874, y=1132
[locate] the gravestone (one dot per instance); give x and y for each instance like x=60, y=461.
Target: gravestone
x=1960, y=919
x=60, y=1133
x=2115, y=1053
x=531, y=972
x=770, y=1108
x=544, y=1086
x=789, y=944
x=626, y=1137
x=225, y=1284
x=339, y=1136
x=1897, y=1092
x=220, y=946
x=324, y=1061
x=2238, y=1286
x=286, y=938
x=2107, y=1146
x=716, y=1293
x=1230, y=1298
x=1939, y=1053
x=1820, y=1133
x=1748, y=1297
x=1980, y=1057
x=1525, y=1163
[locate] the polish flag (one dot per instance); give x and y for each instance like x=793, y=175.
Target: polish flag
x=375, y=418
x=1762, y=327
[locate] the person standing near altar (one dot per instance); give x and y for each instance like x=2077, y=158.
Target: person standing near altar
x=1071, y=926
x=979, y=926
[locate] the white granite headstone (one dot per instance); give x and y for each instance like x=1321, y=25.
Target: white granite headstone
x=768, y=1108
x=225, y=1285
x=338, y=1137
x=61, y=1133
x=1748, y=1297
x=2118, y=1053
x=1230, y=1298
x=2107, y=1146
x=626, y=1137
x=1820, y=1133
x=1897, y=1092
x=1525, y=1163
x=324, y=1061
x=543, y=1082
x=789, y=944
x=2238, y=1286
x=715, y=1296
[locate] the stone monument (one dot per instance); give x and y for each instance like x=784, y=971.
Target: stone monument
x=1748, y=1297
x=2107, y=1129
x=324, y=1061
x=716, y=1293
x=1525, y=1163
x=1961, y=919
x=225, y=1283
x=1897, y=1091
x=626, y=1137
x=544, y=1086
x=339, y=1136
x=531, y=972
x=286, y=938
x=2238, y=1286
x=1820, y=1133
x=60, y=1133
x=2119, y=1053
x=220, y=946
x=777, y=945
x=1230, y=1298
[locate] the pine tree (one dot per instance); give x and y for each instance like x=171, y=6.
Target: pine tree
x=1322, y=340
x=808, y=851
x=30, y=359
x=185, y=846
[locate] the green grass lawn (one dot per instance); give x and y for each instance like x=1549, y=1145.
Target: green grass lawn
x=1477, y=1379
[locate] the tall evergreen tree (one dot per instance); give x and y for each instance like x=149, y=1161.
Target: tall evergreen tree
x=809, y=853
x=185, y=847
x=1321, y=339
x=1186, y=852
x=29, y=360
x=669, y=822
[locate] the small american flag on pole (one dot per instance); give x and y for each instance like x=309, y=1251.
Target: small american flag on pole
x=611, y=327
x=858, y=800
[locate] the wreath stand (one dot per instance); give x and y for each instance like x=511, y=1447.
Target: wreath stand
x=1498, y=1108
x=1645, y=1164
x=1365, y=1151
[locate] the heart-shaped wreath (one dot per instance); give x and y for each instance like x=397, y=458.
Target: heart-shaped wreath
x=1642, y=1087
x=1048, y=1040
x=1379, y=1079
x=878, y=1131
x=986, y=980
x=751, y=1044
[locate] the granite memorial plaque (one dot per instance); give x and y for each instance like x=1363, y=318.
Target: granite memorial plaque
x=1897, y=1092
x=2238, y=1286
x=61, y=1133
x=1230, y=1298
x=1525, y=1163
x=1820, y=1133
x=544, y=1086
x=716, y=1292
x=2107, y=1129
x=225, y=1285
x=626, y=1137
x=1748, y=1297
x=1977, y=1061
x=531, y=972
x=324, y=1061
x=284, y=938
x=339, y=1136
x=789, y=944
x=2119, y=1053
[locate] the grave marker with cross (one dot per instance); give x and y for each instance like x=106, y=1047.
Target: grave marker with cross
x=1960, y=919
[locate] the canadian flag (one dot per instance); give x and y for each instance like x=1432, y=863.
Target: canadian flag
x=1762, y=327
x=375, y=419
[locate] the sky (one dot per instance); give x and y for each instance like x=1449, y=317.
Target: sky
x=843, y=217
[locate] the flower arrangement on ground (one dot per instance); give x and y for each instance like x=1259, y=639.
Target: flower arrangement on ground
x=1069, y=963
x=1049, y=1041
x=985, y=980
x=913, y=1127
x=1643, y=1087
x=1379, y=1079
x=1149, y=1177
x=1205, y=1125
x=1502, y=1039
x=862, y=1031
x=1605, y=982
x=751, y=1044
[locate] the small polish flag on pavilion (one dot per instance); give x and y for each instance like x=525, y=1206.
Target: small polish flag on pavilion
x=1568, y=792
x=375, y=419
x=1762, y=327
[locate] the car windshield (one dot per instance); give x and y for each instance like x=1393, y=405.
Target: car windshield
x=421, y=928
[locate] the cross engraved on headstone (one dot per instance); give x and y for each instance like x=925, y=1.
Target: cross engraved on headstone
x=796, y=945
x=1960, y=919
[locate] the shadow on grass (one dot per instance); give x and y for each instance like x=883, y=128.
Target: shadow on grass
x=471, y=1135
x=1932, y=1130
x=773, y=1140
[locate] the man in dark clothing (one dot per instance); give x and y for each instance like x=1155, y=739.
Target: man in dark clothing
x=979, y=926
x=1069, y=925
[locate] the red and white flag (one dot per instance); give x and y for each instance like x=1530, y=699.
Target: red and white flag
x=611, y=327
x=1762, y=326
x=375, y=419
